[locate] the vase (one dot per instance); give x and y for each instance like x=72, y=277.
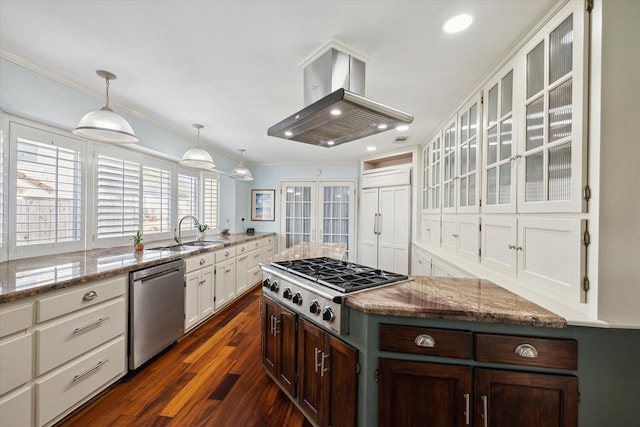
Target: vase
x=201, y=235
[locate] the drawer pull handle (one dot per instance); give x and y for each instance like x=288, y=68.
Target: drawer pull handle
x=84, y=328
x=202, y=261
x=242, y=249
x=90, y=295
x=88, y=371
x=485, y=410
x=526, y=350
x=226, y=254
x=424, y=340
x=466, y=408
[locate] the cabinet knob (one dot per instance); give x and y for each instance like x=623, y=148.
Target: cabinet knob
x=527, y=351
x=202, y=261
x=425, y=340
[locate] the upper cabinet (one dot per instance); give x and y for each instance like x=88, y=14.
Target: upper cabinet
x=551, y=95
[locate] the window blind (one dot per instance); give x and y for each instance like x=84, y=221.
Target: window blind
x=48, y=192
x=187, y=195
x=210, y=197
x=118, y=197
x=156, y=200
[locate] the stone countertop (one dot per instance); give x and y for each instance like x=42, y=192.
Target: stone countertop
x=32, y=276
x=310, y=250
x=473, y=300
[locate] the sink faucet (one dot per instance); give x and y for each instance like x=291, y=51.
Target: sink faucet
x=179, y=229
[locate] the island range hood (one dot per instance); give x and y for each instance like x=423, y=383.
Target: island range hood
x=336, y=110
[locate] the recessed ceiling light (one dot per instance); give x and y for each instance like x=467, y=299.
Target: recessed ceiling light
x=371, y=148
x=402, y=128
x=288, y=133
x=335, y=112
x=457, y=23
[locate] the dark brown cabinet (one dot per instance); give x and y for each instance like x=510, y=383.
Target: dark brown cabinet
x=524, y=399
x=279, y=344
x=420, y=393
x=327, y=377
x=423, y=394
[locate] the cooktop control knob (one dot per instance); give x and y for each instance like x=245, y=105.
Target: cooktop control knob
x=266, y=283
x=274, y=286
x=314, y=308
x=327, y=315
x=297, y=298
x=287, y=293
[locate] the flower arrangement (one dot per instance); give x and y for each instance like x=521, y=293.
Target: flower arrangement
x=137, y=241
x=202, y=228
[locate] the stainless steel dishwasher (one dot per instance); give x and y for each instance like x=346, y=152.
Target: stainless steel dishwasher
x=156, y=310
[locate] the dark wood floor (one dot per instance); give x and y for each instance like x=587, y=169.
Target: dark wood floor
x=212, y=377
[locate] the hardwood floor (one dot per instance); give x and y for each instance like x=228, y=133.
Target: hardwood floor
x=212, y=377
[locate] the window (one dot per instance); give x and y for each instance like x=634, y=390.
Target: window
x=156, y=200
x=118, y=197
x=210, y=200
x=2, y=222
x=48, y=184
x=187, y=195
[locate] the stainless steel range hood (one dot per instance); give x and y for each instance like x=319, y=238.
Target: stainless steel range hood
x=337, y=112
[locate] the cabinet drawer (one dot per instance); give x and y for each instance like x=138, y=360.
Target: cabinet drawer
x=242, y=249
x=14, y=319
x=199, y=261
x=266, y=252
x=428, y=341
x=73, y=383
x=15, y=409
x=15, y=362
x=254, y=244
x=61, y=341
x=77, y=299
x=254, y=275
x=543, y=352
x=225, y=253
x=255, y=257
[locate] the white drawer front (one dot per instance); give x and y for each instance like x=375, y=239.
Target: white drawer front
x=15, y=409
x=266, y=252
x=225, y=253
x=199, y=261
x=58, y=392
x=77, y=299
x=16, y=355
x=254, y=275
x=242, y=249
x=255, y=257
x=14, y=319
x=69, y=337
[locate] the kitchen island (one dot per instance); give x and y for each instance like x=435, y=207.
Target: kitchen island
x=494, y=349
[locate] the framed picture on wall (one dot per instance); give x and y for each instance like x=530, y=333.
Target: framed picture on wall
x=263, y=204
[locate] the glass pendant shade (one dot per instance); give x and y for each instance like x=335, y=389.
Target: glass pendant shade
x=241, y=172
x=197, y=157
x=105, y=125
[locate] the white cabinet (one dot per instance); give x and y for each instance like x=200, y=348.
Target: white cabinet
x=385, y=228
x=225, y=277
x=199, y=286
x=420, y=262
x=242, y=269
x=60, y=349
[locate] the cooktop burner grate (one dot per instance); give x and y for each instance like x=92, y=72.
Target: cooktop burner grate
x=339, y=275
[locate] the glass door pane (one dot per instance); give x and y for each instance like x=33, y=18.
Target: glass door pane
x=298, y=212
x=338, y=214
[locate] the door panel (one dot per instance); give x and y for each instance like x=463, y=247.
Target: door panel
x=340, y=383
x=368, y=218
x=310, y=339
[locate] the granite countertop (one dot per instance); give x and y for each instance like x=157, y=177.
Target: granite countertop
x=474, y=300
x=32, y=276
x=311, y=250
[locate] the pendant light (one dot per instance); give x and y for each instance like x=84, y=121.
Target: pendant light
x=105, y=125
x=241, y=172
x=197, y=157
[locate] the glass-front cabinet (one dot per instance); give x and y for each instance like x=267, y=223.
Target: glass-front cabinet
x=506, y=177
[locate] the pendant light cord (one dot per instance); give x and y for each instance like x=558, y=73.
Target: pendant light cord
x=107, y=97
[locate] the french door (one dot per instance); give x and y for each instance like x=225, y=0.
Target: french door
x=318, y=212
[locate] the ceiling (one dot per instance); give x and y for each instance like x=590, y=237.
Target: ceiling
x=234, y=66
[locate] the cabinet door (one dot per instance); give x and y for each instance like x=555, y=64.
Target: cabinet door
x=242, y=273
x=423, y=394
x=369, y=227
x=287, y=340
x=469, y=150
x=510, y=398
x=310, y=397
x=431, y=176
x=500, y=243
x=394, y=229
x=340, y=383
x=449, y=169
x=191, y=297
x=206, y=292
x=269, y=340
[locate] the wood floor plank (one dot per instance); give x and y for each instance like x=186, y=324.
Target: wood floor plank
x=212, y=377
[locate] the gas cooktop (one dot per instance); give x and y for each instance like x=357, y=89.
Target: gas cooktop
x=339, y=275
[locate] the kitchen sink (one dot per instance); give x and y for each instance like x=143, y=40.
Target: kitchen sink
x=188, y=245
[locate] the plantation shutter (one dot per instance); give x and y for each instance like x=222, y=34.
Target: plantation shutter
x=210, y=196
x=156, y=200
x=118, y=197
